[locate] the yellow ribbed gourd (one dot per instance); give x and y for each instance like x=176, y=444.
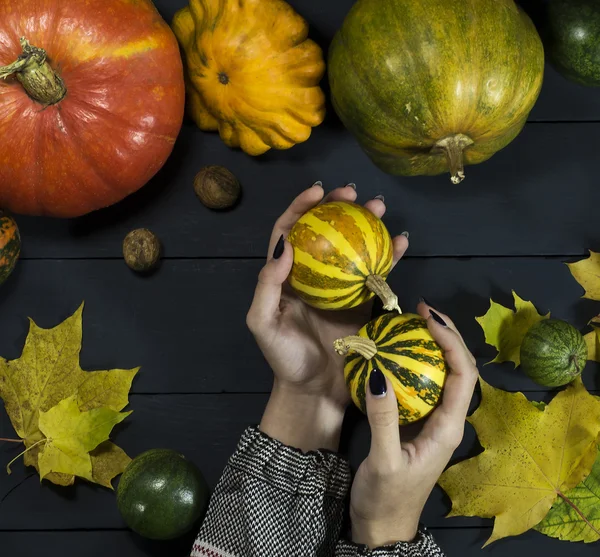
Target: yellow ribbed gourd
x=402, y=348
x=342, y=256
x=252, y=73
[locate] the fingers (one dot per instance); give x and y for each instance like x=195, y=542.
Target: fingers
x=446, y=424
x=382, y=411
x=304, y=202
x=400, y=244
x=344, y=193
x=376, y=206
x=265, y=305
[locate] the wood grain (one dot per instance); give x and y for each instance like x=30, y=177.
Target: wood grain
x=206, y=429
x=185, y=325
x=536, y=197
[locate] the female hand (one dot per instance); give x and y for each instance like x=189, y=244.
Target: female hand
x=309, y=390
x=393, y=483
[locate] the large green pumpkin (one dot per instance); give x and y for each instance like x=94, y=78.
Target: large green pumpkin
x=427, y=86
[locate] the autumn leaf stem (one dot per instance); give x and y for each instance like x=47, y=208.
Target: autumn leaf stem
x=574, y=507
x=11, y=440
x=8, y=470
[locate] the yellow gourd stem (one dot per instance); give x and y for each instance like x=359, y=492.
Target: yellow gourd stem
x=364, y=346
x=377, y=285
x=8, y=470
x=36, y=76
x=453, y=147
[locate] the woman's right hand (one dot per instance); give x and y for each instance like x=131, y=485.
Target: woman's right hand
x=395, y=480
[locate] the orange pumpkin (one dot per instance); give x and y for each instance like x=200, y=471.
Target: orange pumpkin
x=91, y=102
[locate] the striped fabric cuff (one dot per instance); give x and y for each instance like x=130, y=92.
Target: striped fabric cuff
x=422, y=546
x=290, y=469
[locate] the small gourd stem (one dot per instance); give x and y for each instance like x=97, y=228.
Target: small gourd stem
x=11, y=440
x=8, y=470
x=35, y=74
x=377, y=285
x=364, y=346
x=574, y=507
x=453, y=147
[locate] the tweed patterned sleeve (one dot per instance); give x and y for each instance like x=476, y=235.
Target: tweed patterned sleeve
x=422, y=546
x=273, y=500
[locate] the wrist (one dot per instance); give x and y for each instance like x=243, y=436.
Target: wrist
x=379, y=533
x=303, y=420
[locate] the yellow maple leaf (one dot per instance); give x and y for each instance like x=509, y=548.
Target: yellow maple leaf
x=71, y=435
x=505, y=329
x=532, y=453
x=593, y=345
x=587, y=273
x=108, y=461
x=48, y=372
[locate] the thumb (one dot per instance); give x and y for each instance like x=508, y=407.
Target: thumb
x=265, y=305
x=382, y=411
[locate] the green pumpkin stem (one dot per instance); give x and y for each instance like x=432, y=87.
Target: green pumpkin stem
x=377, y=285
x=36, y=75
x=453, y=147
x=362, y=345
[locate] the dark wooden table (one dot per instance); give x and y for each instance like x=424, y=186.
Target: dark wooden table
x=511, y=224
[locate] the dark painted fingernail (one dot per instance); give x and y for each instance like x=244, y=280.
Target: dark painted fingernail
x=437, y=318
x=426, y=301
x=377, y=384
x=405, y=234
x=351, y=185
x=279, y=248
x=380, y=197
x=318, y=183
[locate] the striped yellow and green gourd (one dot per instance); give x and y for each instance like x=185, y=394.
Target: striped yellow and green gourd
x=342, y=256
x=10, y=246
x=402, y=348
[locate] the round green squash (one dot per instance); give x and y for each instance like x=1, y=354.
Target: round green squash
x=10, y=246
x=427, y=86
x=572, y=39
x=553, y=353
x=161, y=494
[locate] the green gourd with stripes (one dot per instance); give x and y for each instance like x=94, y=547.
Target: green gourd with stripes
x=553, y=353
x=402, y=348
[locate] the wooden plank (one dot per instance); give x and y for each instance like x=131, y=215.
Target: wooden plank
x=206, y=429
x=536, y=197
x=454, y=542
x=185, y=325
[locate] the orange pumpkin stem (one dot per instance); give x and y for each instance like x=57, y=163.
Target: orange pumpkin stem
x=364, y=346
x=36, y=75
x=377, y=285
x=453, y=147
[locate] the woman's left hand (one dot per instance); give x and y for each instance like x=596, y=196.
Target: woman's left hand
x=309, y=393
x=393, y=483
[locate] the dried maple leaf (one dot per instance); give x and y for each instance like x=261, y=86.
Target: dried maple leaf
x=565, y=522
x=48, y=372
x=532, y=455
x=587, y=273
x=505, y=329
x=593, y=345
x=70, y=435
